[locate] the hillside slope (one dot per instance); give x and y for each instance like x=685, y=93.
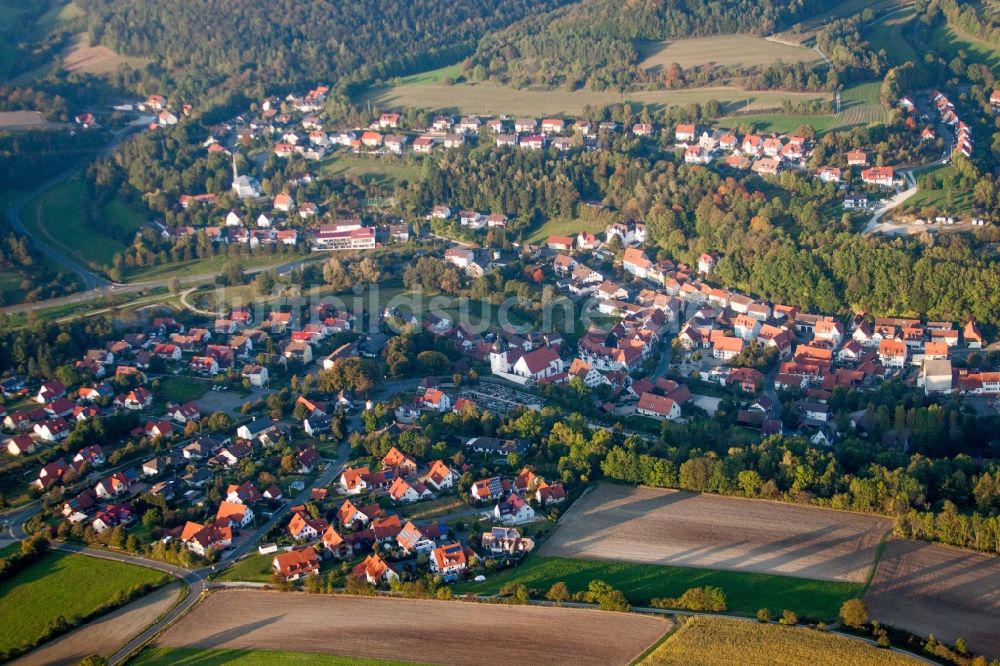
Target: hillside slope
x=292, y=42
x=597, y=42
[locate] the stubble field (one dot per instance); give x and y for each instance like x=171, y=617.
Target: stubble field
x=493, y=99
x=678, y=528
x=437, y=631
x=932, y=589
x=722, y=50
x=709, y=641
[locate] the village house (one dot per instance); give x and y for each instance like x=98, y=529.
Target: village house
x=440, y=477
x=375, y=570
x=500, y=541
x=892, y=353
x=658, y=407
x=303, y=527
x=405, y=491
x=296, y=564
x=513, y=511
x=449, y=561
x=233, y=515
x=879, y=176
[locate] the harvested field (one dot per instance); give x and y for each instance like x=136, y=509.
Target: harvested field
x=107, y=634
x=932, y=589
x=708, y=641
x=678, y=528
x=82, y=56
x=490, y=98
x=722, y=50
x=25, y=120
x=383, y=628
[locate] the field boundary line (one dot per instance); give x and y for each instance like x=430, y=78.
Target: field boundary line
x=582, y=495
x=879, y=552
x=675, y=625
x=119, y=658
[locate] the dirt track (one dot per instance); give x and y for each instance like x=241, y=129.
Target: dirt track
x=428, y=631
x=679, y=528
x=106, y=634
x=931, y=589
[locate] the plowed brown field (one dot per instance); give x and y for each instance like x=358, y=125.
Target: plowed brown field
x=427, y=631
x=677, y=528
x=927, y=588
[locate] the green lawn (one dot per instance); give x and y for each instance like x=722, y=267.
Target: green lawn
x=162, y=656
x=492, y=98
x=255, y=568
x=782, y=123
x=379, y=169
x=57, y=214
x=181, y=389
x=432, y=509
x=746, y=592
x=859, y=106
x=950, y=40
x=434, y=75
x=62, y=584
x=955, y=200
x=123, y=216
x=562, y=226
x=212, y=265
x=890, y=33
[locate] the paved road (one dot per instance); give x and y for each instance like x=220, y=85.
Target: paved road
x=48, y=246
x=196, y=579
x=109, y=289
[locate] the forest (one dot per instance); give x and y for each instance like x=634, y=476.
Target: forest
x=211, y=48
x=593, y=43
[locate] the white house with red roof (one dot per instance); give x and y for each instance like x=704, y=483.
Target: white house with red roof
x=436, y=399
x=449, y=560
x=402, y=490
x=879, y=176
x=658, y=407
x=513, y=511
x=440, y=476
x=296, y=564
x=542, y=363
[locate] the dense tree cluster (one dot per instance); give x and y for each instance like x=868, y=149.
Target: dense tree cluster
x=257, y=46
x=595, y=43
x=851, y=476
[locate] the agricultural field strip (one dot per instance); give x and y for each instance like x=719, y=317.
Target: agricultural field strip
x=722, y=50
x=490, y=98
x=707, y=641
x=452, y=632
x=705, y=531
x=934, y=589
